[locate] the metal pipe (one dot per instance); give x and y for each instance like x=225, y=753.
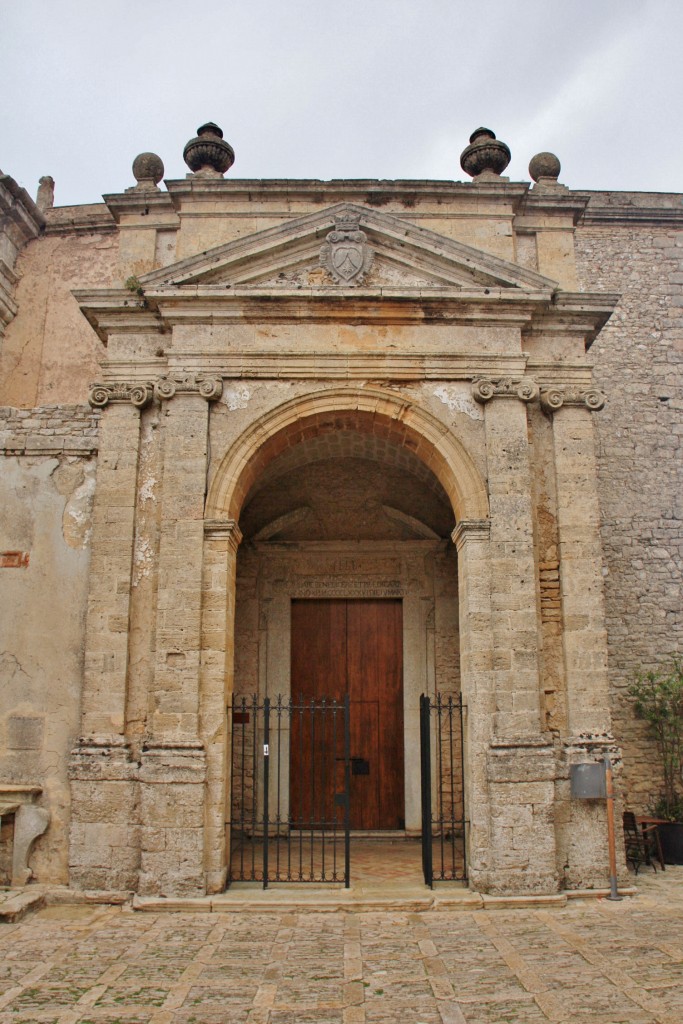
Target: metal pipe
x=609, y=788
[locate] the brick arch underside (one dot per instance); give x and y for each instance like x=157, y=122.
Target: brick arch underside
x=375, y=413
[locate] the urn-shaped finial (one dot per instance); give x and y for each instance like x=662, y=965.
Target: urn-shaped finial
x=484, y=153
x=208, y=154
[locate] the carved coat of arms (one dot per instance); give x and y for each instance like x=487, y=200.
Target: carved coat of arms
x=346, y=254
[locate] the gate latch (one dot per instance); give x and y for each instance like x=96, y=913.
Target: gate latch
x=359, y=766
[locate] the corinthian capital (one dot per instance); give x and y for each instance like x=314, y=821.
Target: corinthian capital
x=523, y=388
x=553, y=399
x=139, y=394
x=168, y=386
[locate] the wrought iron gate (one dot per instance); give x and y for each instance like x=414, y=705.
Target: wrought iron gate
x=290, y=798
x=444, y=846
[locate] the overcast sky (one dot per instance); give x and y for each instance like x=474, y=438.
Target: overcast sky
x=341, y=88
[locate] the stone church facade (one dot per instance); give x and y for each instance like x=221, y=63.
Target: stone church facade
x=224, y=397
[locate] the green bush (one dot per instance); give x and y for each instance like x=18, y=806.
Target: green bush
x=658, y=700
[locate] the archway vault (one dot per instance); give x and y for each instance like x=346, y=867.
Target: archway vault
x=370, y=410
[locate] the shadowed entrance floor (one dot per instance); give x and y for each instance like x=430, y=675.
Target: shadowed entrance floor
x=376, y=862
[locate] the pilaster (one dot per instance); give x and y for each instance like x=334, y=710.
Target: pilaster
x=513, y=573
x=584, y=635
x=104, y=840
x=580, y=550
x=106, y=639
x=476, y=674
x=221, y=541
x=173, y=767
x=185, y=417
x=509, y=782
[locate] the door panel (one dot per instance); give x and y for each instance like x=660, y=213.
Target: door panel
x=353, y=646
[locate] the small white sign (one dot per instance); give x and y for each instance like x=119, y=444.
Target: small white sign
x=266, y=749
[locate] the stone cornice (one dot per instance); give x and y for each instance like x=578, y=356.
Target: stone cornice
x=581, y=314
x=118, y=311
x=21, y=218
x=623, y=216
x=359, y=190
x=145, y=202
x=70, y=220
x=498, y=307
x=554, y=201
x=311, y=365
x=20, y=222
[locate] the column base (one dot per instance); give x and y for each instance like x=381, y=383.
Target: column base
x=521, y=786
x=582, y=824
x=104, y=842
x=172, y=787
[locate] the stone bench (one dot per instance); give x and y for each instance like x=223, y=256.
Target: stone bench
x=30, y=821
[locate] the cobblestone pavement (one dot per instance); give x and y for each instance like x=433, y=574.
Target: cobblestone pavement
x=591, y=961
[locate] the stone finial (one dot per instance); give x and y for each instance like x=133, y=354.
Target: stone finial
x=45, y=199
x=148, y=170
x=208, y=154
x=485, y=153
x=544, y=165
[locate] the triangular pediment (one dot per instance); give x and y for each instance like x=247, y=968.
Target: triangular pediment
x=322, y=251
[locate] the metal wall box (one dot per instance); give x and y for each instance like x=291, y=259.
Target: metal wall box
x=588, y=781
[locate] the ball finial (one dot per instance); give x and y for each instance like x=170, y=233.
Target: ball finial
x=544, y=165
x=148, y=170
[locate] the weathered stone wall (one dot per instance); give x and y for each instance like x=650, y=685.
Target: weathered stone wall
x=46, y=488
x=639, y=365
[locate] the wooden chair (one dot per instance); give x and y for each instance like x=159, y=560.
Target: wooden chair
x=642, y=843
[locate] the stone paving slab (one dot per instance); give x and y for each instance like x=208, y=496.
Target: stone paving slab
x=585, y=962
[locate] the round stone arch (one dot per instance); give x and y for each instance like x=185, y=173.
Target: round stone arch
x=378, y=412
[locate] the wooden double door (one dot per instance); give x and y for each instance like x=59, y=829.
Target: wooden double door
x=352, y=647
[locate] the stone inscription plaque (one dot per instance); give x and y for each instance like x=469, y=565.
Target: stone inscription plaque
x=349, y=587
x=344, y=565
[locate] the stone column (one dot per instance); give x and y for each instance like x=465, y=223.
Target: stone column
x=513, y=568
x=581, y=586
x=173, y=760
x=583, y=828
x=103, y=851
x=476, y=681
x=222, y=538
x=520, y=760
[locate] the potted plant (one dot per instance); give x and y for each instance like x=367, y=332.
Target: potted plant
x=658, y=699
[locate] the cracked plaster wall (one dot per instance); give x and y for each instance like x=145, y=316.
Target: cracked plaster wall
x=50, y=353
x=45, y=511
